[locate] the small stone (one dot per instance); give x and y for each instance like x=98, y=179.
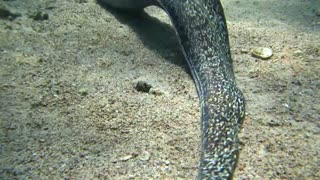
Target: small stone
x=156, y=91
x=262, y=52
x=286, y=105
x=131, y=176
x=123, y=158
x=143, y=86
x=298, y=53
x=274, y=123
x=145, y=156
x=39, y=16
x=307, y=135
x=244, y=51
x=126, y=158
x=83, y=91
x=167, y=162
x=296, y=82
x=82, y=155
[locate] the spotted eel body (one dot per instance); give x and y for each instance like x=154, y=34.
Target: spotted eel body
x=202, y=31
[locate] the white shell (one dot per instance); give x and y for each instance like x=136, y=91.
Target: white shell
x=262, y=52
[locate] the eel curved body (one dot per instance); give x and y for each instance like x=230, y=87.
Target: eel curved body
x=202, y=31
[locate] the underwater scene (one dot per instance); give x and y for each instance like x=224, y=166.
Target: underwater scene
x=160, y=89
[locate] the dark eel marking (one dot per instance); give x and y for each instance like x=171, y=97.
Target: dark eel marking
x=202, y=31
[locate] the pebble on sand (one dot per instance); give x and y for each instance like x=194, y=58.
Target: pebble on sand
x=262, y=52
x=143, y=86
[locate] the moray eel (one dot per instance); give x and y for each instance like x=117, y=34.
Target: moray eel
x=202, y=31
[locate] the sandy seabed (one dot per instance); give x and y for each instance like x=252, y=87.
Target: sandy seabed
x=69, y=108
